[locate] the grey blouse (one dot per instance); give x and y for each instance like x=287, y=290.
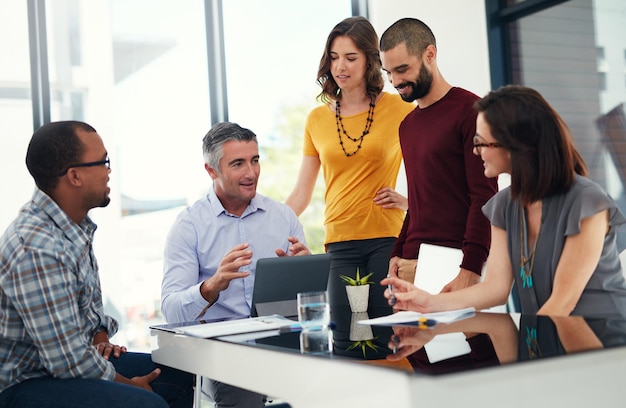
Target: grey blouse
x=605, y=293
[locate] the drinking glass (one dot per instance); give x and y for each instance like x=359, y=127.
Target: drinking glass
x=313, y=310
x=316, y=341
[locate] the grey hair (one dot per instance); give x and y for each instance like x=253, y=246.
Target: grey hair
x=219, y=134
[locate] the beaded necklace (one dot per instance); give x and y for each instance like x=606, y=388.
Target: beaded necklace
x=532, y=344
x=526, y=274
x=341, y=129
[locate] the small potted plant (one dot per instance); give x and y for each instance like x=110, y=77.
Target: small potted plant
x=360, y=332
x=358, y=290
x=364, y=345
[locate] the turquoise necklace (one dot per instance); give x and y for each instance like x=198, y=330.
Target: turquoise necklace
x=526, y=274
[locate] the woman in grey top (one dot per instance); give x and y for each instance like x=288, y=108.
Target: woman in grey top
x=552, y=230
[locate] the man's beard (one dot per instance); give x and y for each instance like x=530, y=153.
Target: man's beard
x=99, y=202
x=105, y=201
x=420, y=87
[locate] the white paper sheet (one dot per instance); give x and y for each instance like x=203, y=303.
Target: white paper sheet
x=436, y=267
x=445, y=346
x=408, y=317
x=249, y=325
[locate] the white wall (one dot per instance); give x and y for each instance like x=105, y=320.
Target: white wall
x=460, y=29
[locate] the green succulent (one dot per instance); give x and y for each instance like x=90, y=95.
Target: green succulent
x=358, y=281
x=364, y=345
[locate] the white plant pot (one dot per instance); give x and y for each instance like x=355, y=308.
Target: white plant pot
x=360, y=332
x=358, y=297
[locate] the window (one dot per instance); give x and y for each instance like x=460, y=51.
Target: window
x=553, y=49
x=602, y=68
x=15, y=108
x=137, y=71
x=272, y=56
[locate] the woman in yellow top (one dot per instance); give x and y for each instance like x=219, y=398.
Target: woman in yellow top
x=353, y=137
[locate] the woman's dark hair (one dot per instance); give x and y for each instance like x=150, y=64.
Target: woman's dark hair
x=544, y=160
x=52, y=149
x=359, y=30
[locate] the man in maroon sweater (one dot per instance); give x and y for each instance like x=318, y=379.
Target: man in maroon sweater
x=446, y=184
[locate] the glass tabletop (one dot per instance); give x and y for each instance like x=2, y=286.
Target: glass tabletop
x=484, y=340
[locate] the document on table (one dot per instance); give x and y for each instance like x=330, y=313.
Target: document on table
x=250, y=337
x=229, y=327
x=409, y=318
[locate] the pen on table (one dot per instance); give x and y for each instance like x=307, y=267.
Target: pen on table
x=392, y=297
x=425, y=323
x=296, y=327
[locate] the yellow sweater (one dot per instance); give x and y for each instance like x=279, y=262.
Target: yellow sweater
x=352, y=182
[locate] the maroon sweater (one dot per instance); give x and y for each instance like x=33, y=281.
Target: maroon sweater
x=446, y=183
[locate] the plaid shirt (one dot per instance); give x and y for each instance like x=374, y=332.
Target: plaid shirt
x=50, y=297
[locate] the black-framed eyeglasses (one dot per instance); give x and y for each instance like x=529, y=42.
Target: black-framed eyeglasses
x=105, y=162
x=479, y=146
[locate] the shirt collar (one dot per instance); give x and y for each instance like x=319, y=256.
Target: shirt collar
x=72, y=230
x=257, y=203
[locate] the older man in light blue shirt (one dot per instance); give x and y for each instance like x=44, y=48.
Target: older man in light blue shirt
x=212, y=248
x=198, y=241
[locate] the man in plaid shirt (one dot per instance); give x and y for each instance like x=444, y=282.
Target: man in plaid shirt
x=54, y=335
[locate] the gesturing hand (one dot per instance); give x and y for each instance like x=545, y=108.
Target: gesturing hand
x=228, y=270
x=296, y=248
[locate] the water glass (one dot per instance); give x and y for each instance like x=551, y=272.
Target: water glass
x=316, y=341
x=313, y=310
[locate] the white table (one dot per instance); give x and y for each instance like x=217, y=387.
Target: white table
x=596, y=379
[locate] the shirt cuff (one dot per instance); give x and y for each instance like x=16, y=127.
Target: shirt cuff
x=474, y=258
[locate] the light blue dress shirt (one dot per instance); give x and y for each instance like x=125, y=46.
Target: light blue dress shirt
x=198, y=241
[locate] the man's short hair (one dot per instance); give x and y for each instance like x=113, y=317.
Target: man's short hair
x=415, y=33
x=52, y=149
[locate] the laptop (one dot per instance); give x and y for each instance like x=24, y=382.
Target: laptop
x=278, y=281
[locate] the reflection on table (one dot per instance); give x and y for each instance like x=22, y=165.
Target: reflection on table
x=489, y=338
x=492, y=356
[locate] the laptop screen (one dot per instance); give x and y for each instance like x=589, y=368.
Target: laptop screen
x=278, y=281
